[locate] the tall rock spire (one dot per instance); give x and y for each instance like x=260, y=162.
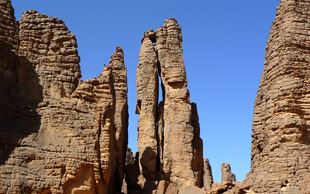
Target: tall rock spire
x=119, y=81
x=147, y=101
x=182, y=146
x=281, y=137
x=169, y=133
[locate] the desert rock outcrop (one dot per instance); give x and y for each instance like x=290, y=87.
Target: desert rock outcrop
x=147, y=101
x=227, y=175
x=280, y=144
x=169, y=133
x=207, y=175
x=58, y=134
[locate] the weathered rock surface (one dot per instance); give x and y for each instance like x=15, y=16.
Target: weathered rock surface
x=52, y=49
x=132, y=173
x=9, y=26
x=57, y=133
x=119, y=80
x=227, y=175
x=182, y=146
x=207, y=174
x=281, y=144
x=147, y=102
x=169, y=133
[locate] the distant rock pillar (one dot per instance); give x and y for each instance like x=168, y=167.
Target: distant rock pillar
x=227, y=175
x=207, y=174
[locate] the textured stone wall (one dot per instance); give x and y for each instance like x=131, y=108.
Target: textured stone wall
x=52, y=49
x=280, y=144
x=58, y=134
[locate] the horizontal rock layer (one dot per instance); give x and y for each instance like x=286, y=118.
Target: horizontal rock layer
x=58, y=134
x=280, y=145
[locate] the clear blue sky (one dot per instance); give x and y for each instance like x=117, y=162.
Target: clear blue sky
x=224, y=47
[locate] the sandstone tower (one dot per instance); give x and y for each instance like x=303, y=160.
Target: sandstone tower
x=281, y=137
x=170, y=147
x=60, y=134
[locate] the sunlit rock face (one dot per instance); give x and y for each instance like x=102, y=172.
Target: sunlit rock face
x=58, y=134
x=281, y=137
x=170, y=148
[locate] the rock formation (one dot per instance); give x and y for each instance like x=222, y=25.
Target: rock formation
x=58, y=134
x=227, y=175
x=281, y=138
x=147, y=101
x=170, y=148
x=207, y=175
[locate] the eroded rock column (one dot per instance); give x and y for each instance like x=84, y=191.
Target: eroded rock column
x=169, y=133
x=119, y=81
x=207, y=175
x=227, y=175
x=179, y=139
x=147, y=102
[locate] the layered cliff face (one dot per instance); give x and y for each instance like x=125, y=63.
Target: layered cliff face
x=281, y=137
x=58, y=134
x=170, y=148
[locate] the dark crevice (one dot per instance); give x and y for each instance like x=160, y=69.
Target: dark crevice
x=159, y=117
x=176, y=85
x=98, y=149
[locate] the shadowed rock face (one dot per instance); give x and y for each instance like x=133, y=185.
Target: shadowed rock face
x=57, y=133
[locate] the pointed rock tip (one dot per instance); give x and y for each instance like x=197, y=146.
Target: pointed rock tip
x=118, y=49
x=117, y=58
x=149, y=34
x=118, y=54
